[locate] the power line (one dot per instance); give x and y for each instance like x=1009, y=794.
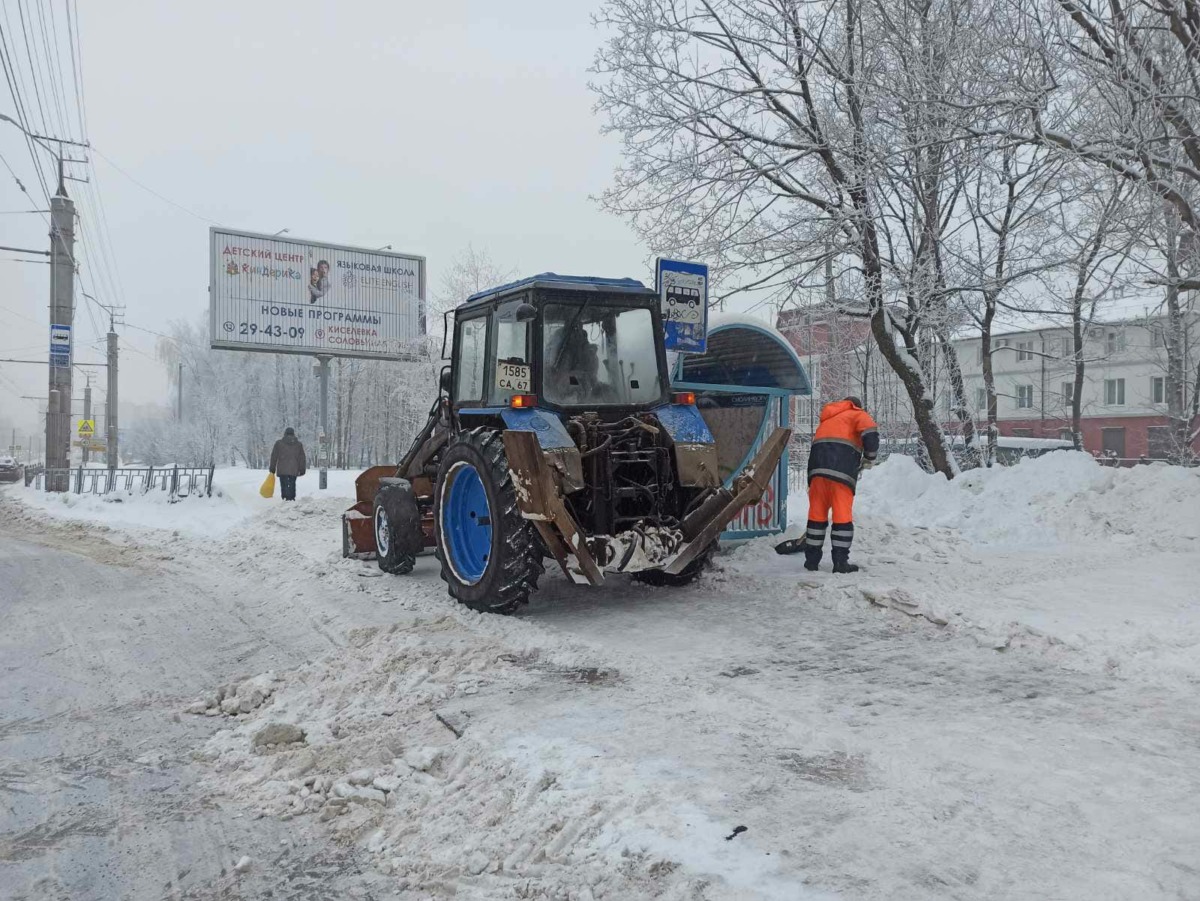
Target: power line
x=178, y=206
x=51, y=56
x=29, y=61
x=17, y=180
x=96, y=213
x=76, y=68
x=12, y=76
x=12, y=312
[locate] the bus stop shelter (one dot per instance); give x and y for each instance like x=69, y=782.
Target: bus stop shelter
x=744, y=384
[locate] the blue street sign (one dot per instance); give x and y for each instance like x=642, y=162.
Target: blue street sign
x=60, y=345
x=683, y=293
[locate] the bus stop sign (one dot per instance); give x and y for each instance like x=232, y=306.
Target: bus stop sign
x=683, y=292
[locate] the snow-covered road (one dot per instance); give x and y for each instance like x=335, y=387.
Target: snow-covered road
x=99, y=799
x=1003, y=705
x=887, y=758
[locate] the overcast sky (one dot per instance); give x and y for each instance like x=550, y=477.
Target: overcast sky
x=428, y=126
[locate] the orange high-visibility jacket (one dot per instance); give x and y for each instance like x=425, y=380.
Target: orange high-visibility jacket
x=847, y=434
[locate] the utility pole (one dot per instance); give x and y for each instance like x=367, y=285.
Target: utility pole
x=110, y=402
x=87, y=413
x=56, y=479
x=179, y=386
x=62, y=319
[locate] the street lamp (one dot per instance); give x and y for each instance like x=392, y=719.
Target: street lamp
x=282, y=231
x=37, y=137
x=384, y=247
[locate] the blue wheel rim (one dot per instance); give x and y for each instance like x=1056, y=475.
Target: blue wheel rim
x=466, y=523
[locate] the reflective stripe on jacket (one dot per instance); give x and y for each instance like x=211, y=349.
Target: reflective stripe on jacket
x=847, y=434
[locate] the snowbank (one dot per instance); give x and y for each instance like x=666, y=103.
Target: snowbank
x=235, y=502
x=1095, y=566
x=1060, y=497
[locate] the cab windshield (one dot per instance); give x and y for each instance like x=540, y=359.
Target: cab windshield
x=597, y=355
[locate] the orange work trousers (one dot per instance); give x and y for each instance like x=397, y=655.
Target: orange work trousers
x=824, y=494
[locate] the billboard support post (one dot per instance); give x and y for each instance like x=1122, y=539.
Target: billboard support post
x=323, y=438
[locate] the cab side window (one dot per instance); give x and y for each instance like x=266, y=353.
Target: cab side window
x=511, y=374
x=470, y=353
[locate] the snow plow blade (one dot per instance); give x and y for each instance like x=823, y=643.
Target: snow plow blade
x=702, y=527
x=541, y=503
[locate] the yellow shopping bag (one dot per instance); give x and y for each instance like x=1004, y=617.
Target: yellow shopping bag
x=268, y=486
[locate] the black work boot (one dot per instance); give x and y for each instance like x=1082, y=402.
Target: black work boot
x=814, y=537
x=841, y=561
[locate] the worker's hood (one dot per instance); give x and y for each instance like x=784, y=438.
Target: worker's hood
x=835, y=409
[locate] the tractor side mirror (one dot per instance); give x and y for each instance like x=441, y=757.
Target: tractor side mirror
x=526, y=312
x=444, y=381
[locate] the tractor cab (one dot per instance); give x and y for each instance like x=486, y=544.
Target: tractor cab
x=564, y=343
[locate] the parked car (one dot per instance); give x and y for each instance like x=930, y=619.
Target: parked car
x=11, y=470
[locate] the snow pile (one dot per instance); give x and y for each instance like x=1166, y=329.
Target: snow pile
x=392, y=757
x=235, y=502
x=237, y=697
x=1062, y=496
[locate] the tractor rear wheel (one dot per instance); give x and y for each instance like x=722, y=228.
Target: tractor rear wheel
x=490, y=555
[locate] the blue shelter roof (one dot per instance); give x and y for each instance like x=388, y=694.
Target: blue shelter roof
x=748, y=353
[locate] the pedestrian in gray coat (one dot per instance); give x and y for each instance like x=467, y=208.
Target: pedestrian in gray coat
x=288, y=462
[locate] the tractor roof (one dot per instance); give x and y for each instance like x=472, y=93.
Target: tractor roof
x=580, y=283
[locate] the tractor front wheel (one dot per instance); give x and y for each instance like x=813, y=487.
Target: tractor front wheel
x=490, y=555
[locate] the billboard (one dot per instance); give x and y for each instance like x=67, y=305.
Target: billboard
x=285, y=295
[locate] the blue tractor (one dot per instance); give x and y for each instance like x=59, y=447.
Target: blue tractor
x=556, y=434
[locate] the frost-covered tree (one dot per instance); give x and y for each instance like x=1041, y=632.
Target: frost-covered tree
x=763, y=135
x=469, y=272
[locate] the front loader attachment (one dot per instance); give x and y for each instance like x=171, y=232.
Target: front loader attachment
x=541, y=503
x=584, y=559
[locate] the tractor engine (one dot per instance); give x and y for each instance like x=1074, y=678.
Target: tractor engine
x=631, y=503
x=629, y=476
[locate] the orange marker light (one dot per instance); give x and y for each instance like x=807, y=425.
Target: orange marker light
x=685, y=397
x=522, y=401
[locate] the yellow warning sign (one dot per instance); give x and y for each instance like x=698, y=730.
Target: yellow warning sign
x=87, y=428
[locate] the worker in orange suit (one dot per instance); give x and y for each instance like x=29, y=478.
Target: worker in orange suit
x=846, y=441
